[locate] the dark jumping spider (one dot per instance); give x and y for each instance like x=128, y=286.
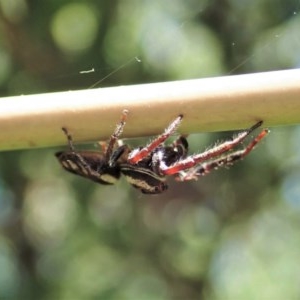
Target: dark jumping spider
x=146, y=168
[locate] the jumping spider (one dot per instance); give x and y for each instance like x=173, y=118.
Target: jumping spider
x=146, y=168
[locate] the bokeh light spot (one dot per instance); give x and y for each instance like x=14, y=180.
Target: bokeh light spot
x=74, y=27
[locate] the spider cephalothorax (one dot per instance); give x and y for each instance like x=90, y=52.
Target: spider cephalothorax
x=146, y=168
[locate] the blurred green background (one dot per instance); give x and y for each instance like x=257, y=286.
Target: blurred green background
x=234, y=234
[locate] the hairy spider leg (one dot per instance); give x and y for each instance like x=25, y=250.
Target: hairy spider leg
x=84, y=164
x=215, y=151
x=114, y=137
x=103, y=145
x=223, y=161
x=69, y=138
x=139, y=154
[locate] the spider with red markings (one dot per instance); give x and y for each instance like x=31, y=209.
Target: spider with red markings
x=146, y=168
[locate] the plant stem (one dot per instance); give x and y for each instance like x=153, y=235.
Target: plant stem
x=211, y=104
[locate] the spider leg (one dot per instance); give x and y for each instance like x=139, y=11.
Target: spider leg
x=193, y=160
x=103, y=145
x=138, y=154
x=223, y=161
x=114, y=137
x=69, y=138
x=83, y=164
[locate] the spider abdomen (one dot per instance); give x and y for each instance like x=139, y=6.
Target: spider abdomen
x=89, y=164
